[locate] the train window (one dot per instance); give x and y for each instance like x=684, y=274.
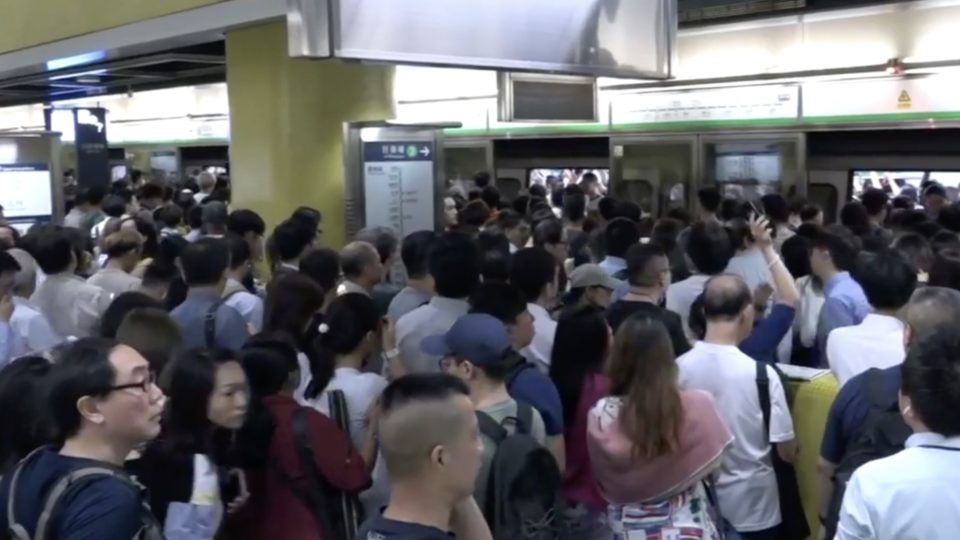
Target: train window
x=908, y=183
x=565, y=177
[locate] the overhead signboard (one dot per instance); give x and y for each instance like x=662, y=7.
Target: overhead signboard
x=741, y=103
x=398, y=185
x=881, y=97
x=613, y=38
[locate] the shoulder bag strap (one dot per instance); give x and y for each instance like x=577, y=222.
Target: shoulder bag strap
x=524, y=418
x=763, y=392
x=17, y=529
x=337, y=404
x=60, y=488
x=210, y=325
x=491, y=428
x=315, y=493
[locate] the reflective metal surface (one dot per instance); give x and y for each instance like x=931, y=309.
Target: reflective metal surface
x=308, y=23
x=614, y=38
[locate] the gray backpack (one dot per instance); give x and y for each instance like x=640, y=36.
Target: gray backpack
x=150, y=531
x=523, y=496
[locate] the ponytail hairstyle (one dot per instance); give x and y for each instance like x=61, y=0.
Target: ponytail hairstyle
x=346, y=324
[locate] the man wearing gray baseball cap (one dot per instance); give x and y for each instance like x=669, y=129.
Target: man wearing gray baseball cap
x=590, y=285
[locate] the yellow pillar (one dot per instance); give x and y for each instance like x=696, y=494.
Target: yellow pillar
x=286, y=125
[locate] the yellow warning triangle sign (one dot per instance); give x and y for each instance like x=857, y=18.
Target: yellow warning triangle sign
x=904, y=101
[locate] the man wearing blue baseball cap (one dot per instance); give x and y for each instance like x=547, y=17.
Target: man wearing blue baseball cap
x=478, y=350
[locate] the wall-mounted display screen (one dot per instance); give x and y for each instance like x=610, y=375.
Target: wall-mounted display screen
x=26, y=191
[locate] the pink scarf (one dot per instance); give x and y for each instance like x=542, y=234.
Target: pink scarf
x=703, y=437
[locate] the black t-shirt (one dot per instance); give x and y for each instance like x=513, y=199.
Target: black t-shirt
x=98, y=507
x=381, y=528
x=622, y=310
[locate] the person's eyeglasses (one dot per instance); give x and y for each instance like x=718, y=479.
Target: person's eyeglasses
x=143, y=385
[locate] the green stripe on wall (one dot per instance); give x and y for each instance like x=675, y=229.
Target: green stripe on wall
x=694, y=125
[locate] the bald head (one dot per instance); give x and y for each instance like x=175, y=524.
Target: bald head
x=419, y=413
x=931, y=308
x=725, y=297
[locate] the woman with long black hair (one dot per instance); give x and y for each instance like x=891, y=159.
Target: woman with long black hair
x=298, y=444
x=292, y=303
x=349, y=336
x=190, y=470
x=577, y=369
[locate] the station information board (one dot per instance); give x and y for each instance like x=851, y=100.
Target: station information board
x=26, y=192
x=398, y=185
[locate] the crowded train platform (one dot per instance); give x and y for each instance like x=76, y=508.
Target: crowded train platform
x=543, y=270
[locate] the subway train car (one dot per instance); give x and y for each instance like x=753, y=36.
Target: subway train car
x=828, y=165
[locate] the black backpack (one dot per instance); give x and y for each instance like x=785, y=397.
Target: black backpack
x=524, y=487
x=883, y=434
x=150, y=530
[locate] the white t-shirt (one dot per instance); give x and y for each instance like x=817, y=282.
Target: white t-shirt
x=360, y=390
x=681, y=295
x=877, y=342
x=746, y=483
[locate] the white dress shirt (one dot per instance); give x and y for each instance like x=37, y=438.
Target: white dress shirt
x=877, y=342
x=249, y=305
x=746, y=483
x=432, y=319
x=540, y=349
x=32, y=332
x=808, y=312
x=681, y=295
x=71, y=305
x=911, y=495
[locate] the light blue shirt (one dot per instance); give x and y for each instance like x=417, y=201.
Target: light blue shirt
x=845, y=305
x=248, y=305
x=6, y=343
x=910, y=495
x=31, y=332
x=612, y=265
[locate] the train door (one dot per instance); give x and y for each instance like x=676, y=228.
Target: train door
x=657, y=172
x=464, y=158
x=749, y=166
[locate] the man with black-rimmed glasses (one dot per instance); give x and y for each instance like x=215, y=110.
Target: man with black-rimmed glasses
x=104, y=403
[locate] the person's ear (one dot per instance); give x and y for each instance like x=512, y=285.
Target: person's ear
x=437, y=455
x=89, y=408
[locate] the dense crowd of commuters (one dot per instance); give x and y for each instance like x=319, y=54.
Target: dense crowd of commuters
x=558, y=366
